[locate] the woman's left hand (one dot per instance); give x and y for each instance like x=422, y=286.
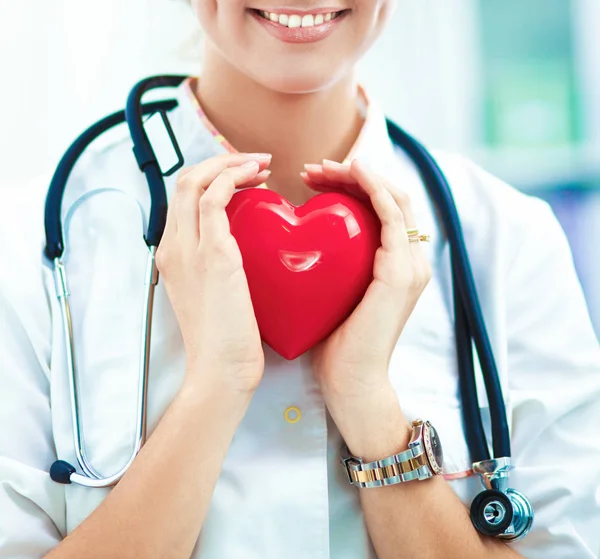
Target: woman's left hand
x=352, y=363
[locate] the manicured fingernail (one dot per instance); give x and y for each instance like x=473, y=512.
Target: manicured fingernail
x=331, y=163
x=312, y=167
x=249, y=164
x=261, y=156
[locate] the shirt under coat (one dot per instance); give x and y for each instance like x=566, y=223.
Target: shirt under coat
x=282, y=491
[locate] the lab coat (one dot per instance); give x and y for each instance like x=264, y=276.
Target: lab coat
x=282, y=491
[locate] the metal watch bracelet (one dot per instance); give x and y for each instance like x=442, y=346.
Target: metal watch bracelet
x=422, y=460
x=407, y=466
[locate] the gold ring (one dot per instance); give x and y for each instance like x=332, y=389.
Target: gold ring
x=412, y=232
x=419, y=238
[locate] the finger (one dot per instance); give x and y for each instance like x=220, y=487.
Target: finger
x=338, y=176
x=259, y=179
x=259, y=157
x=317, y=186
x=393, y=225
x=194, y=183
x=171, y=223
x=184, y=171
x=207, y=171
x=214, y=223
x=404, y=203
x=184, y=207
x=338, y=172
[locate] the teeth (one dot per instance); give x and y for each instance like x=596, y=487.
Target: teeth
x=296, y=20
x=308, y=21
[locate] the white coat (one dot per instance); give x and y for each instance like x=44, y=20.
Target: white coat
x=282, y=492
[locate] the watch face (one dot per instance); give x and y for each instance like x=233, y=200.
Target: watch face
x=433, y=447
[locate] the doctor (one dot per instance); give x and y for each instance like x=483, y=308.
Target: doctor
x=243, y=453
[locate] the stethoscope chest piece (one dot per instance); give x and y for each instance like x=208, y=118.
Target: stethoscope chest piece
x=491, y=513
x=499, y=511
x=522, y=515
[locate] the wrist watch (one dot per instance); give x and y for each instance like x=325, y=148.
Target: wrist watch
x=422, y=460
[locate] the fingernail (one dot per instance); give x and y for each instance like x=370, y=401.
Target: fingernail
x=331, y=163
x=261, y=156
x=312, y=167
x=249, y=164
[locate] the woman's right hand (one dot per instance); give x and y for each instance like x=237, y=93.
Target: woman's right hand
x=201, y=265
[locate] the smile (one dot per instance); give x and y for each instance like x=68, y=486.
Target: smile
x=296, y=26
x=297, y=20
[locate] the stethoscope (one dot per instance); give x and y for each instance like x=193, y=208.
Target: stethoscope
x=497, y=511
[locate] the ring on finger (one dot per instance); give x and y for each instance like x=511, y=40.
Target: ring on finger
x=414, y=236
x=420, y=238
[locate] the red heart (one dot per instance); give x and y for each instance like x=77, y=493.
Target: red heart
x=307, y=266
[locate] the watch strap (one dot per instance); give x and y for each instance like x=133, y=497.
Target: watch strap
x=389, y=471
x=412, y=464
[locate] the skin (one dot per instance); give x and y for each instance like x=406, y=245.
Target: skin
x=312, y=89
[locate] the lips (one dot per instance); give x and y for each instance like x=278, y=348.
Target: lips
x=292, y=26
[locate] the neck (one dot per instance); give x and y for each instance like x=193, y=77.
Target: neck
x=295, y=128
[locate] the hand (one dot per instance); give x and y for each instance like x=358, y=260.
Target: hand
x=201, y=265
x=352, y=363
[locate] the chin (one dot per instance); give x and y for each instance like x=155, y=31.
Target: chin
x=293, y=82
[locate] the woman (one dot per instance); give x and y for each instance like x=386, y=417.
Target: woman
x=243, y=453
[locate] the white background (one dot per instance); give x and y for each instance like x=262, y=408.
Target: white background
x=66, y=63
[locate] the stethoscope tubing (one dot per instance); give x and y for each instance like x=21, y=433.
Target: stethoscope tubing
x=145, y=156
x=62, y=471
x=54, y=250
x=53, y=210
x=469, y=321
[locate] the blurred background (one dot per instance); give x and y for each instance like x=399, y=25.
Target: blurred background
x=514, y=85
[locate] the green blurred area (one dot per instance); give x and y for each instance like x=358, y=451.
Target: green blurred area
x=531, y=92
x=535, y=104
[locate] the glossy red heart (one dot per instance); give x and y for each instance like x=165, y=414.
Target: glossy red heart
x=307, y=266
